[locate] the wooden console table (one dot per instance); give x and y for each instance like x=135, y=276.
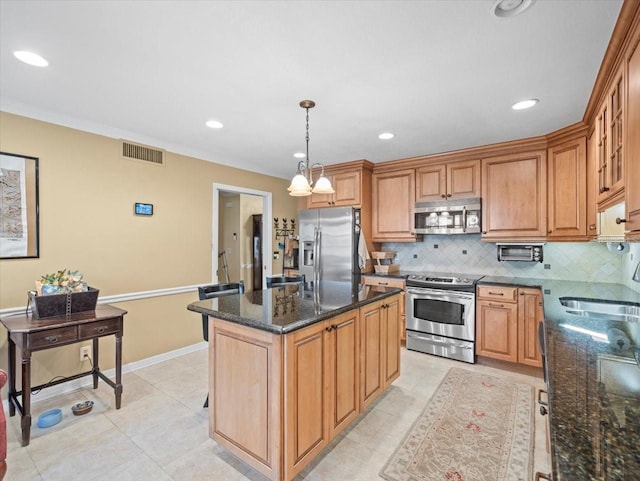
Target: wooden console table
x=28, y=335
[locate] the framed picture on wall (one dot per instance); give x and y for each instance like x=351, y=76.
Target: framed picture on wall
x=19, y=217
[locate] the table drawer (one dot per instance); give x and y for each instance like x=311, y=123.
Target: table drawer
x=99, y=328
x=498, y=293
x=53, y=337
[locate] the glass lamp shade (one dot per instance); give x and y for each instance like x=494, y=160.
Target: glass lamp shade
x=299, y=186
x=323, y=186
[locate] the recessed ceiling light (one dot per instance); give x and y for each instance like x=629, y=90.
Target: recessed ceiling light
x=30, y=58
x=386, y=136
x=214, y=124
x=510, y=8
x=524, y=104
x=299, y=155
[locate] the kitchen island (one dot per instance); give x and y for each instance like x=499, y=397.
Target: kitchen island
x=593, y=385
x=292, y=366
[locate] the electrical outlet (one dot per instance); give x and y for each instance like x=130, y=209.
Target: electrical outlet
x=85, y=353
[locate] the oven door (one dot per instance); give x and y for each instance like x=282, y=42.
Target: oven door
x=441, y=312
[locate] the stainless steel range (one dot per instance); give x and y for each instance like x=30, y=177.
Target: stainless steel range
x=441, y=314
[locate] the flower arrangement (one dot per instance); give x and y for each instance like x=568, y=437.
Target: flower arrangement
x=61, y=282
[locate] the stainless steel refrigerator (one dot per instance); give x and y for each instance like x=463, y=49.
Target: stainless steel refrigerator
x=328, y=245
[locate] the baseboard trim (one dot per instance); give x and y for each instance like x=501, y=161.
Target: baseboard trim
x=76, y=384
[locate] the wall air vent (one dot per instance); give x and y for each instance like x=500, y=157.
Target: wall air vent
x=143, y=153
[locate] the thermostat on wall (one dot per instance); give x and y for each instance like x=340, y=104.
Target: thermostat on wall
x=143, y=209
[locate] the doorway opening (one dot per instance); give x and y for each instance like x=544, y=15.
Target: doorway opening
x=236, y=235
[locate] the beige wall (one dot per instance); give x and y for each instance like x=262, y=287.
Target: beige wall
x=87, y=192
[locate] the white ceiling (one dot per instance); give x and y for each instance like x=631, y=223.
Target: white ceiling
x=441, y=75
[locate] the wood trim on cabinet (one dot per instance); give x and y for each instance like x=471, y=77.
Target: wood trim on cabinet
x=629, y=12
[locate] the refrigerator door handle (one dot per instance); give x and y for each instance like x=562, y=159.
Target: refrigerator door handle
x=316, y=254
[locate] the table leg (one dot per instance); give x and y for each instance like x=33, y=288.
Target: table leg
x=118, y=389
x=96, y=362
x=12, y=376
x=25, y=422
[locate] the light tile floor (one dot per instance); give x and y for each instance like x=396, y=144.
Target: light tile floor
x=161, y=433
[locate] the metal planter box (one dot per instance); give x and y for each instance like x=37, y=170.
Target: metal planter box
x=56, y=305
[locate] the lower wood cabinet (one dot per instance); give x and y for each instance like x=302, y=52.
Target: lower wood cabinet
x=322, y=386
x=507, y=319
x=379, y=348
x=392, y=282
x=277, y=400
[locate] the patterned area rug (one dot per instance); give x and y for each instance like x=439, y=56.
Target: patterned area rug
x=476, y=427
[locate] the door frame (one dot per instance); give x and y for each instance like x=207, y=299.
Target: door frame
x=266, y=231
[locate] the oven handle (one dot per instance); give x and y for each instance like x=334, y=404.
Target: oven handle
x=442, y=341
x=439, y=293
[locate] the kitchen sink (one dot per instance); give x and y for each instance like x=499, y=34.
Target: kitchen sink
x=601, y=310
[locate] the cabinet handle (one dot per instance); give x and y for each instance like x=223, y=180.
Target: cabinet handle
x=383, y=283
x=496, y=293
x=448, y=195
x=443, y=196
x=51, y=339
x=549, y=232
x=484, y=231
x=101, y=329
x=620, y=221
x=496, y=305
x=329, y=328
x=604, y=189
x=522, y=293
x=592, y=227
x=540, y=476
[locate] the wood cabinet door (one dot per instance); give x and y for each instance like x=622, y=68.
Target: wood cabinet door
x=347, y=187
x=431, y=182
x=391, y=340
x=393, y=203
x=530, y=315
x=497, y=330
x=306, y=406
x=348, y=191
x=514, y=191
x=463, y=179
x=371, y=380
x=343, y=372
x=632, y=139
x=567, y=190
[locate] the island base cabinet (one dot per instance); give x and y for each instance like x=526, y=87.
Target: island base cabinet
x=276, y=401
x=322, y=387
x=245, y=417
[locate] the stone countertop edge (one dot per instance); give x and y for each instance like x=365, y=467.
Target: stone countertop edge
x=294, y=326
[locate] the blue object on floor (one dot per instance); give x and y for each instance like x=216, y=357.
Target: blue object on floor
x=49, y=418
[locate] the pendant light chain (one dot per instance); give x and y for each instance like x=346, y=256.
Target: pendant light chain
x=307, y=137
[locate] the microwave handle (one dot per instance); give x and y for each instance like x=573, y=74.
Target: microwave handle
x=464, y=219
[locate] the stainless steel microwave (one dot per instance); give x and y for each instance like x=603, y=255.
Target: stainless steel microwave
x=459, y=216
x=520, y=252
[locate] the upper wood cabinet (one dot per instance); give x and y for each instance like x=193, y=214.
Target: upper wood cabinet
x=448, y=180
x=610, y=131
x=567, y=190
x=514, y=193
x=348, y=190
x=351, y=182
x=393, y=202
x=632, y=145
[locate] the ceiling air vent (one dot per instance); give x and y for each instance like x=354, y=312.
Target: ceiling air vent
x=140, y=152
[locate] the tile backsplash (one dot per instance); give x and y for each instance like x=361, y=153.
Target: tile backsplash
x=576, y=261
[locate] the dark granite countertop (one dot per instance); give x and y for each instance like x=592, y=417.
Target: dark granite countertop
x=288, y=308
x=593, y=385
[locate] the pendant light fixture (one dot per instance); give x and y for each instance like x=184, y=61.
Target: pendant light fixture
x=303, y=180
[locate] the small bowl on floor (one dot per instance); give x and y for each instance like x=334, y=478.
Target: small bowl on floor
x=82, y=408
x=49, y=418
